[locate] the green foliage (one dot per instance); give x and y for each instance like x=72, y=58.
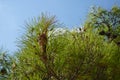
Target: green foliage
x=49, y=52
x=108, y=22
x=108, y=25
x=5, y=65
x=62, y=54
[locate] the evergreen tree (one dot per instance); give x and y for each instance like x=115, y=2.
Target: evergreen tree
x=47, y=52
x=5, y=65
x=107, y=21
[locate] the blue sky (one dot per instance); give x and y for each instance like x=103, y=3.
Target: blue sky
x=14, y=14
